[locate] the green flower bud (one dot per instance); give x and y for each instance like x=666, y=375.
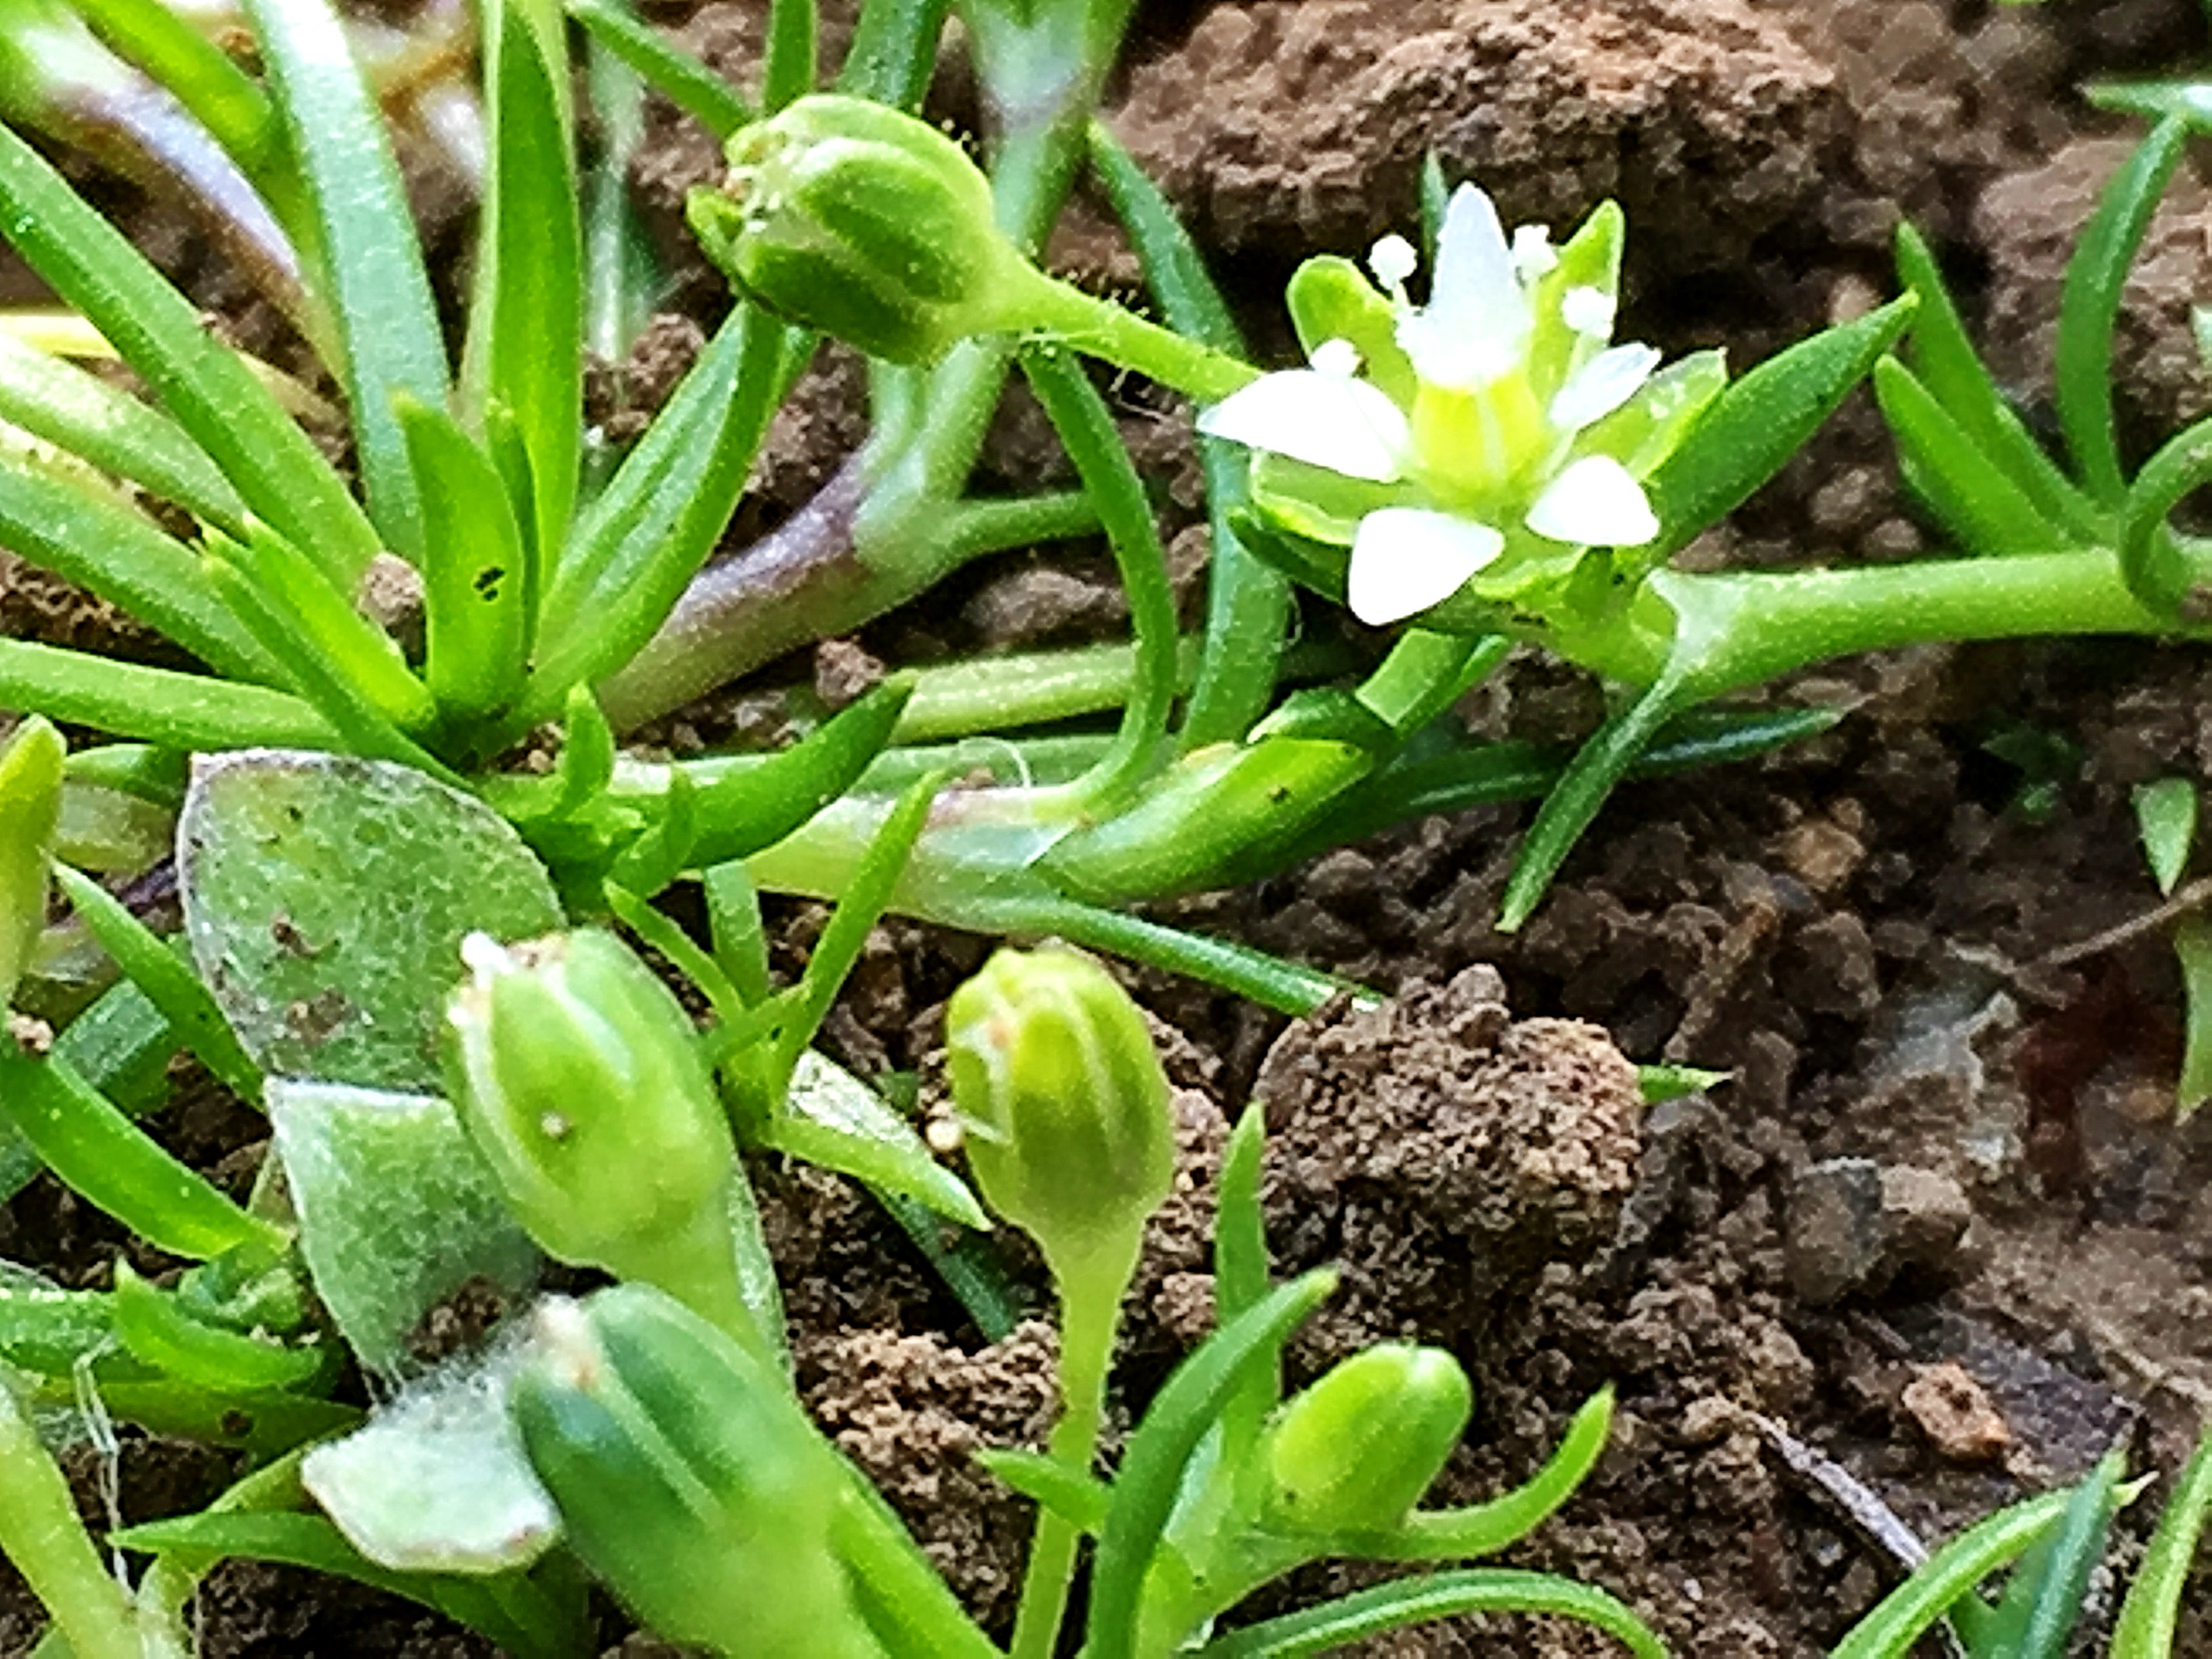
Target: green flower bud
x=577, y=1076
x=688, y=1480
x=1063, y=1102
x=1355, y=1452
x=30, y=813
x=856, y=219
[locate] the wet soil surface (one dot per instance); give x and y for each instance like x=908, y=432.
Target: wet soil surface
x=1941, y=1226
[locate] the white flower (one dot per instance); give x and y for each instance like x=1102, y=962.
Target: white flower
x=1481, y=456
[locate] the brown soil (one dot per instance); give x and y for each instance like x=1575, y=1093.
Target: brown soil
x=1941, y=1226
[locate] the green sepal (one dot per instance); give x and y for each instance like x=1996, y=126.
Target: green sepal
x=688, y=1480
x=1644, y=432
x=1590, y=259
x=1313, y=502
x=1331, y=299
x=1763, y=418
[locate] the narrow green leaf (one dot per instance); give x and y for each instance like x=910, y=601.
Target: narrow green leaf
x=373, y=262
x=833, y=1120
x=272, y=464
x=1436, y=200
x=733, y=922
x=56, y=400
x=1660, y=1083
x=508, y=1609
x=675, y=74
x=1093, y=442
x=968, y=1263
x=1484, y=1528
x=1963, y=485
x=860, y=908
x=2192, y=944
x=1337, y=1624
x=262, y=1426
x=2166, y=816
x=52, y=1332
x=2089, y=306
x=1953, y=371
x=1909, y=1611
x=149, y=963
x=2151, y=1615
x=1574, y=801
x=158, y=705
x=346, y=644
x=756, y=805
x=2159, y=571
x=1763, y=419
x=1248, y=599
x=530, y=306
x=1287, y=987
x=1240, y=1230
x=31, y=760
x=42, y=1534
x=658, y=519
x=2043, y=1603
x=159, y=1333
x=894, y=51
x=86, y=535
x=280, y=627
x=788, y=71
x=477, y=582
x=1151, y=1472
x=120, y=1046
x=113, y=1165
x=1078, y=1499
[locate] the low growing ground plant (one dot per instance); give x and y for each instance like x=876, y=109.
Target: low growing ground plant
x=351, y=826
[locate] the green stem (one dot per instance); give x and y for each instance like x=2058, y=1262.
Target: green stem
x=1090, y=1312
x=1099, y=328
x=1758, y=626
x=42, y=1535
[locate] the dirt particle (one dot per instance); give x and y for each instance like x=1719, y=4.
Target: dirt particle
x=1956, y=1414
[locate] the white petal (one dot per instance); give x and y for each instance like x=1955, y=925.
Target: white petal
x=1602, y=385
x=1405, y=559
x=1594, y=503
x=1588, y=311
x=1338, y=358
x=1476, y=323
x=1324, y=420
x=1393, y=260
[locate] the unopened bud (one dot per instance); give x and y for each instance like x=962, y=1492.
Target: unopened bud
x=578, y=1077
x=1063, y=1102
x=687, y=1478
x=30, y=813
x=858, y=220
x=1355, y=1452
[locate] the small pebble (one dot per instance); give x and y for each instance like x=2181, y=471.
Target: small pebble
x=1955, y=1413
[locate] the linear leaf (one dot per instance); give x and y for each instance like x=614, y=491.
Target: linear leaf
x=1976, y=499
x=206, y=385
x=2089, y=306
x=1339, y=1623
x=2151, y=1615
x=373, y=273
x=672, y=72
x=157, y=705
x=529, y=292
x=76, y=411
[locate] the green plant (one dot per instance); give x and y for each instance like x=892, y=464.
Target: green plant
x=2056, y=1541
x=688, y=1478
